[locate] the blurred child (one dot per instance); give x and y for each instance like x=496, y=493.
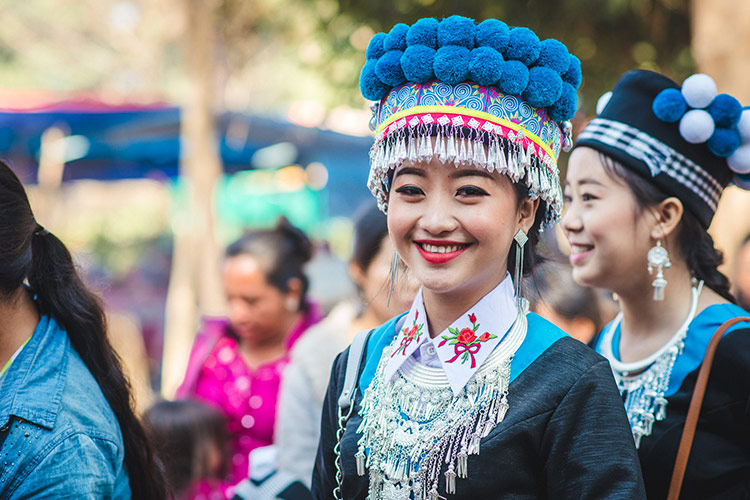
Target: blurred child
x=191, y=442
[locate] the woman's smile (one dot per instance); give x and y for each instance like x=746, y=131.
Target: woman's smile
x=440, y=252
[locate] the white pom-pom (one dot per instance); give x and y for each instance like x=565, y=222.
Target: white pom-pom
x=744, y=125
x=699, y=90
x=696, y=126
x=739, y=161
x=741, y=183
x=603, y=100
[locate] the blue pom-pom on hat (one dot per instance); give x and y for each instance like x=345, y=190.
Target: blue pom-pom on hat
x=573, y=75
x=452, y=64
x=669, y=105
x=396, y=39
x=486, y=66
x=544, y=88
x=417, y=63
x=388, y=68
x=565, y=107
x=514, y=79
x=523, y=45
x=456, y=30
x=554, y=54
x=725, y=110
x=724, y=141
x=369, y=83
x=492, y=33
x=423, y=32
x=375, y=49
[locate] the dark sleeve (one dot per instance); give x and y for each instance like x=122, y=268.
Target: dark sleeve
x=324, y=473
x=588, y=443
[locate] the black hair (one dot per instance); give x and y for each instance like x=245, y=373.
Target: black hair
x=693, y=241
x=370, y=228
x=183, y=433
x=282, y=251
x=30, y=253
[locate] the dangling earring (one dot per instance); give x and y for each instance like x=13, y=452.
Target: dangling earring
x=658, y=258
x=394, y=277
x=291, y=304
x=521, y=240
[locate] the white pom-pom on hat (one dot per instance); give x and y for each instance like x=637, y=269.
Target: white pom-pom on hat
x=602, y=102
x=744, y=125
x=739, y=161
x=696, y=126
x=699, y=90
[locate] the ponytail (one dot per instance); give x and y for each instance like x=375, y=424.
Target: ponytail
x=62, y=295
x=28, y=251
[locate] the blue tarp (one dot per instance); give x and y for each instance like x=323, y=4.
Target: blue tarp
x=137, y=143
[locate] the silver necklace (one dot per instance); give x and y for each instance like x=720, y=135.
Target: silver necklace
x=414, y=423
x=644, y=382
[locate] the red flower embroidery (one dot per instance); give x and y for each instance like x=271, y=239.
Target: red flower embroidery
x=409, y=334
x=465, y=342
x=466, y=336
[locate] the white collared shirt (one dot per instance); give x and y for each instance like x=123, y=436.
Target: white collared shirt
x=461, y=348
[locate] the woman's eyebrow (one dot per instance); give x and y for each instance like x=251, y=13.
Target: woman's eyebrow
x=471, y=171
x=410, y=170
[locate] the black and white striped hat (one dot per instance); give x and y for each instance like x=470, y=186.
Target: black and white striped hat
x=628, y=130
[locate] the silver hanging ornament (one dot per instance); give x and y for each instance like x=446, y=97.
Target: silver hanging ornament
x=658, y=258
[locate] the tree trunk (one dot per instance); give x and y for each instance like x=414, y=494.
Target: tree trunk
x=721, y=47
x=194, y=288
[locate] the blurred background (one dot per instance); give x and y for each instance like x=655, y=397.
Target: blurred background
x=151, y=133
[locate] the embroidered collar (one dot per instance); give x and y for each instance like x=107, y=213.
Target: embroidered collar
x=466, y=343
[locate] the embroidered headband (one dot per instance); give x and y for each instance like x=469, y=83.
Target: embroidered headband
x=687, y=140
x=480, y=94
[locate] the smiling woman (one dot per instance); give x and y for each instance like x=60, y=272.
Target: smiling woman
x=468, y=395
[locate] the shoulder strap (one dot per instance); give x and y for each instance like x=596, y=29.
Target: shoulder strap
x=691, y=421
x=353, y=365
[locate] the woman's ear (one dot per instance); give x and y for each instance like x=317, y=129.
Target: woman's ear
x=357, y=274
x=527, y=213
x=668, y=215
x=293, y=292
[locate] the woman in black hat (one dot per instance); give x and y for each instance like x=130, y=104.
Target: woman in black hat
x=642, y=186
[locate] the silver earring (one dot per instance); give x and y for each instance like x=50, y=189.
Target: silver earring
x=658, y=258
x=394, y=276
x=520, y=239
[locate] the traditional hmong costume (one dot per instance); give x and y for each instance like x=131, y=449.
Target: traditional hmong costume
x=501, y=404
x=690, y=143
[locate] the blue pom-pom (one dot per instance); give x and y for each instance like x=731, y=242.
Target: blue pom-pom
x=554, y=54
x=396, y=39
x=565, y=107
x=573, y=75
x=514, y=79
x=417, y=63
x=486, y=66
x=523, y=45
x=724, y=141
x=456, y=30
x=452, y=64
x=423, y=32
x=388, y=68
x=544, y=88
x=375, y=49
x=492, y=33
x=725, y=110
x=369, y=83
x=669, y=105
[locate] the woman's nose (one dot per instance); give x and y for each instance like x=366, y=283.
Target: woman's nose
x=438, y=217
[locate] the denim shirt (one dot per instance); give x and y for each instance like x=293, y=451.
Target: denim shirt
x=58, y=435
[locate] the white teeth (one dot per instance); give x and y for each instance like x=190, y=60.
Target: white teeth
x=579, y=249
x=440, y=249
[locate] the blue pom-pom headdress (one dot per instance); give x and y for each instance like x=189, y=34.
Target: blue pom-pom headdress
x=492, y=96
x=686, y=139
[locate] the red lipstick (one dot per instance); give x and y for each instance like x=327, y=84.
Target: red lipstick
x=440, y=257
